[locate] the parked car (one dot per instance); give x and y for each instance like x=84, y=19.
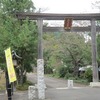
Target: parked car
x=83, y=69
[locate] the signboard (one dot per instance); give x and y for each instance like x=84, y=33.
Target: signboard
x=67, y=23
x=10, y=67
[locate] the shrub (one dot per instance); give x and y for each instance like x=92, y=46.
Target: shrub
x=68, y=75
x=48, y=70
x=24, y=86
x=64, y=72
x=88, y=74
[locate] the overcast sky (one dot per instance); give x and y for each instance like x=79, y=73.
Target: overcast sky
x=65, y=6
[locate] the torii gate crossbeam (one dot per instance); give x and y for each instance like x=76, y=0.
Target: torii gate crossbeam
x=53, y=16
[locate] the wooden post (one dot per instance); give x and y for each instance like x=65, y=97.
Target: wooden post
x=40, y=43
x=94, y=51
x=40, y=62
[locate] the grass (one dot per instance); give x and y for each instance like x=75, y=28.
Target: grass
x=76, y=79
x=24, y=86
x=2, y=82
x=80, y=80
x=19, y=87
x=50, y=75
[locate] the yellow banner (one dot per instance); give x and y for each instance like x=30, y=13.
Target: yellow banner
x=10, y=67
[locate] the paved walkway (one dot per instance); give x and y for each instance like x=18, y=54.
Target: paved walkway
x=17, y=96
x=57, y=90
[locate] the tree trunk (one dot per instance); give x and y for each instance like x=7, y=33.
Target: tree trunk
x=76, y=68
x=21, y=77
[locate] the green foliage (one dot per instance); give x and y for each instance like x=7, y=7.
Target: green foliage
x=10, y=7
x=24, y=86
x=66, y=49
x=64, y=72
x=20, y=35
x=98, y=49
x=50, y=52
x=47, y=63
x=81, y=81
x=88, y=74
x=68, y=75
x=21, y=38
x=76, y=50
x=48, y=70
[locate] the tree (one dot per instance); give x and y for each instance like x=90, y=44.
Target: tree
x=98, y=49
x=51, y=49
x=75, y=51
x=68, y=50
x=20, y=35
x=96, y=5
x=11, y=7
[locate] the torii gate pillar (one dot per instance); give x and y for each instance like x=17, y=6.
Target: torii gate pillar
x=94, y=55
x=40, y=62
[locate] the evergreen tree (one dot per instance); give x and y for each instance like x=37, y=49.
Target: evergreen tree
x=20, y=35
x=13, y=6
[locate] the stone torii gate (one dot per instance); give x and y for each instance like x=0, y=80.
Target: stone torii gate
x=49, y=16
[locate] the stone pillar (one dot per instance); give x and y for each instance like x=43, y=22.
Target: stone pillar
x=70, y=84
x=31, y=92
x=40, y=83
